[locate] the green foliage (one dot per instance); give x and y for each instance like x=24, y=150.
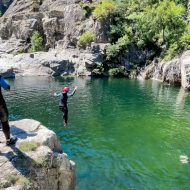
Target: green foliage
x=86, y=39
x=36, y=42
x=185, y=39
x=98, y=70
x=114, y=50
x=21, y=180
x=104, y=9
x=150, y=24
x=117, y=72
x=28, y=146
x=41, y=161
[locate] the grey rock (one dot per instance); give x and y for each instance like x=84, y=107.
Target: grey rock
x=52, y=63
x=185, y=70
x=59, y=20
x=42, y=168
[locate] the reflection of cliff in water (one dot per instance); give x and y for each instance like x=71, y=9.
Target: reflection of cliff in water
x=181, y=99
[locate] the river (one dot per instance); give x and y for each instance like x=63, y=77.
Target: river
x=123, y=134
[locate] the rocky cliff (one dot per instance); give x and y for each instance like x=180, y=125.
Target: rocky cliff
x=60, y=23
x=176, y=71
x=36, y=162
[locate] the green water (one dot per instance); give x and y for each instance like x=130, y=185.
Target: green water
x=123, y=134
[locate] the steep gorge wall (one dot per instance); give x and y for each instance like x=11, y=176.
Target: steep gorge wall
x=61, y=22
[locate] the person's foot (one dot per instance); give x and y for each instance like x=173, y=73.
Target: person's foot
x=65, y=124
x=11, y=141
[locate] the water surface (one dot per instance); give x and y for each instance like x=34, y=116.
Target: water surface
x=123, y=134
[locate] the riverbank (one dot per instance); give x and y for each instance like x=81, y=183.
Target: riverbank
x=52, y=63
x=36, y=161
x=82, y=63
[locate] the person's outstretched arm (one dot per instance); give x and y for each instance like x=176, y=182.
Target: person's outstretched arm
x=73, y=92
x=57, y=94
x=4, y=83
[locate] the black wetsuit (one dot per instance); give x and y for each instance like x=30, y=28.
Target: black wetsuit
x=63, y=106
x=3, y=109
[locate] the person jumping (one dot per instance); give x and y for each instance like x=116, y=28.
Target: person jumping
x=63, y=102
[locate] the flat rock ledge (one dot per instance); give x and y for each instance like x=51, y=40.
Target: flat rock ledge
x=36, y=162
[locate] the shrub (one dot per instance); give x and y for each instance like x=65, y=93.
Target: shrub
x=117, y=72
x=171, y=51
x=98, y=70
x=41, y=161
x=185, y=39
x=86, y=39
x=23, y=181
x=104, y=9
x=36, y=42
x=114, y=50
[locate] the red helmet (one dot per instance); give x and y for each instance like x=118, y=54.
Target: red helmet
x=66, y=89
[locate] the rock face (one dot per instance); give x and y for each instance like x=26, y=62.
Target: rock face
x=52, y=63
x=60, y=22
x=176, y=71
x=165, y=71
x=36, y=162
x=185, y=70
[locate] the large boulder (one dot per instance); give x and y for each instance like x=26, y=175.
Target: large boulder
x=165, y=71
x=185, y=70
x=36, y=162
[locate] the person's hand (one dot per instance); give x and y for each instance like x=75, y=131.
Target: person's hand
x=76, y=87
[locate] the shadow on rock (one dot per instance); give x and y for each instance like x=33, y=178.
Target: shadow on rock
x=20, y=133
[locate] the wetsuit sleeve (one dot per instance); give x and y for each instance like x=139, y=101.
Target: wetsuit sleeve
x=4, y=84
x=57, y=94
x=72, y=93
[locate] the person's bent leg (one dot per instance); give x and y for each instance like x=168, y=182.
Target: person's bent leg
x=5, y=126
x=6, y=129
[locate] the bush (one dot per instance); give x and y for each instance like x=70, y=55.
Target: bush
x=104, y=9
x=98, y=70
x=117, y=72
x=114, y=50
x=185, y=39
x=86, y=39
x=36, y=42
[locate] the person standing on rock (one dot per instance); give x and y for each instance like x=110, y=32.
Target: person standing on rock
x=63, y=102
x=4, y=113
